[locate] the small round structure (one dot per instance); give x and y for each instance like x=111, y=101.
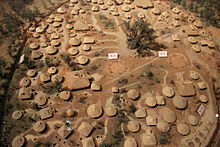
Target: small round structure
x=18, y=141
x=39, y=126
x=151, y=101
x=86, y=47
x=179, y=102
x=40, y=99
x=183, y=129
x=111, y=111
x=61, y=10
x=168, y=91
x=203, y=98
x=168, y=115
x=70, y=112
x=25, y=82
x=125, y=8
x=133, y=126
x=193, y=120
x=151, y=120
x=65, y=95
x=73, y=51
x=202, y=85
x=94, y=111
x=192, y=40
x=196, y=48
x=17, y=115
x=163, y=126
x=95, y=8
x=40, y=29
x=193, y=75
x=198, y=24
x=82, y=60
x=33, y=46
x=130, y=142
x=69, y=26
x=57, y=78
x=133, y=94
x=50, y=50
x=74, y=42
x=57, y=24
x=55, y=43
x=52, y=70
x=31, y=73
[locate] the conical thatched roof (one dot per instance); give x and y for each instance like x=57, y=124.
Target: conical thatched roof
x=151, y=120
x=86, y=47
x=45, y=113
x=17, y=115
x=194, y=75
x=25, y=82
x=163, y=126
x=133, y=94
x=151, y=101
x=74, y=42
x=40, y=99
x=52, y=70
x=65, y=95
x=31, y=73
x=203, y=98
x=94, y=111
x=168, y=91
x=193, y=120
x=82, y=60
x=141, y=113
x=133, y=126
x=33, y=46
x=183, y=129
x=130, y=142
x=61, y=10
x=44, y=77
x=36, y=55
x=73, y=51
x=111, y=111
x=18, y=141
x=50, y=50
x=88, y=40
x=144, y=3
x=168, y=115
x=24, y=93
x=125, y=8
x=70, y=112
x=179, y=102
x=39, y=126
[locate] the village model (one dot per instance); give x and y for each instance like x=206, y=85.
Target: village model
x=110, y=73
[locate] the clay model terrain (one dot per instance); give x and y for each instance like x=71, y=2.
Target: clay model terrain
x=114, y=73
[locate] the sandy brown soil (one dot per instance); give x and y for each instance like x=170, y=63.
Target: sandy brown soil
x=147, y=75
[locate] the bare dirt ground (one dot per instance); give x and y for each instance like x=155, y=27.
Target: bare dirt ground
x=147, y=75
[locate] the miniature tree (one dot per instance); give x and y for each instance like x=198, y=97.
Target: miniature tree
x=140, y=37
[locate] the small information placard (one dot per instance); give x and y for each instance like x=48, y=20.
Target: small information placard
x=22, y=59
x=112, y=56
x=200, y=110
x=162, y=54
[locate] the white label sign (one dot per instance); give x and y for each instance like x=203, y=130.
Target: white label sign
x=162, y=53
x=112, y=56
x=201, y=109
x=21, y=59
